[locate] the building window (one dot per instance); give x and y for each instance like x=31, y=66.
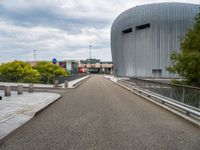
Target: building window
x=157, y=73
x=127, y=31
x=143, y=26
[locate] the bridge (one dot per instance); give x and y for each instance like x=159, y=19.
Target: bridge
x=102, y=115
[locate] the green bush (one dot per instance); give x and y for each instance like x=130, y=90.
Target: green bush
x=49, y=71
x=18, y=71
x=42, y=72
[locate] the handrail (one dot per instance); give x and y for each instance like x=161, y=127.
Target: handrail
x=170, y=84
x=185, y=108
x=165, y=97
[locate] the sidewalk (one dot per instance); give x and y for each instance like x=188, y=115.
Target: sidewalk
x=18, y=109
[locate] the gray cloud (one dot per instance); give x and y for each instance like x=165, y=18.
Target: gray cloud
x=59, y=28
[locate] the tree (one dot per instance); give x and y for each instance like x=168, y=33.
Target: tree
x=186, y=63
x=49, y=71
x=18, y=71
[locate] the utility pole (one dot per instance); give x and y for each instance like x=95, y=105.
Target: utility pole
x=34, y=54
x=90, y=47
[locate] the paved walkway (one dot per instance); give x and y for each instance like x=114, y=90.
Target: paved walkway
x=16, y=110
x=101, y=115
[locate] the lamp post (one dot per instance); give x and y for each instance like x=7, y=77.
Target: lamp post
x=34, y=55
x=90, y=47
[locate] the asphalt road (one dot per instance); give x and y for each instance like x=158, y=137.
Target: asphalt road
x=101, y=115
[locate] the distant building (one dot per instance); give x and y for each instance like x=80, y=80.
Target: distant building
x=72, y=66
x=95, y=66
x=83, y=66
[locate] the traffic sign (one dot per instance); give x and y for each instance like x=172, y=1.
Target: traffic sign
x=54, y=61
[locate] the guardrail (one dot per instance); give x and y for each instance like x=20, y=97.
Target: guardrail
x=183, y=94
x=181, y=107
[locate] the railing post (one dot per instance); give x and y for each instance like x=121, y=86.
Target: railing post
x=31, y=88
x=183, y=95
x=56, y=83
x=20, y=89
x=7, y=91
x=171, y=93
x=66, y=84
x=161, y=87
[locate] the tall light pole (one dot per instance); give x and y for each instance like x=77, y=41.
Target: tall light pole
x=90, y=47
x=34, y=54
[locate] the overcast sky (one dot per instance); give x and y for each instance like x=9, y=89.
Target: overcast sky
x=61, y=29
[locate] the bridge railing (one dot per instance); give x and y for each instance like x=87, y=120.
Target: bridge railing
x=42, y=79
x=191, y=112
x=183, y=94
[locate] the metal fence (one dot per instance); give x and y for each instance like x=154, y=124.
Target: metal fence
x=184, y=94
x=42, y=79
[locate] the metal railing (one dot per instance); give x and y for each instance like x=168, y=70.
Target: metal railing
x=183, y=94
x=42, y=79
x=189, y=110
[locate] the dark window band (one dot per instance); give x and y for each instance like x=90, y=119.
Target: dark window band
x=144, y=26
x=127, y=31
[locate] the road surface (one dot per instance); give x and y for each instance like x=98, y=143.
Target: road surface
x=101, y=115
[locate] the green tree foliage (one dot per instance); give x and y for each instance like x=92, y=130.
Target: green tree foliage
x=49, y=71
x=186, y=63
x=18, y=71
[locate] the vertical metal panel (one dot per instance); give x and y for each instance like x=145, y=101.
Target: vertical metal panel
x=138, y=52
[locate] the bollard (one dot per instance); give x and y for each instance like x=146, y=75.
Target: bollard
x=56, y=83
x=20, y=89
x=7, y=91
x=0, y=97
x=66, y=84
x=31, y=88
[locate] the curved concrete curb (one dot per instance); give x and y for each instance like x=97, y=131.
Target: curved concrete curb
x=77, y=82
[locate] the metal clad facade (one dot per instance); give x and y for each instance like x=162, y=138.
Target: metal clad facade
x=138, y=52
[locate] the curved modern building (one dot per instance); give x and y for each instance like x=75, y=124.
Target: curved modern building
x=143, y=37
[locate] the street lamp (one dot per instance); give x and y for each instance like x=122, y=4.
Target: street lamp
x=90, y=47
x=34, y=55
